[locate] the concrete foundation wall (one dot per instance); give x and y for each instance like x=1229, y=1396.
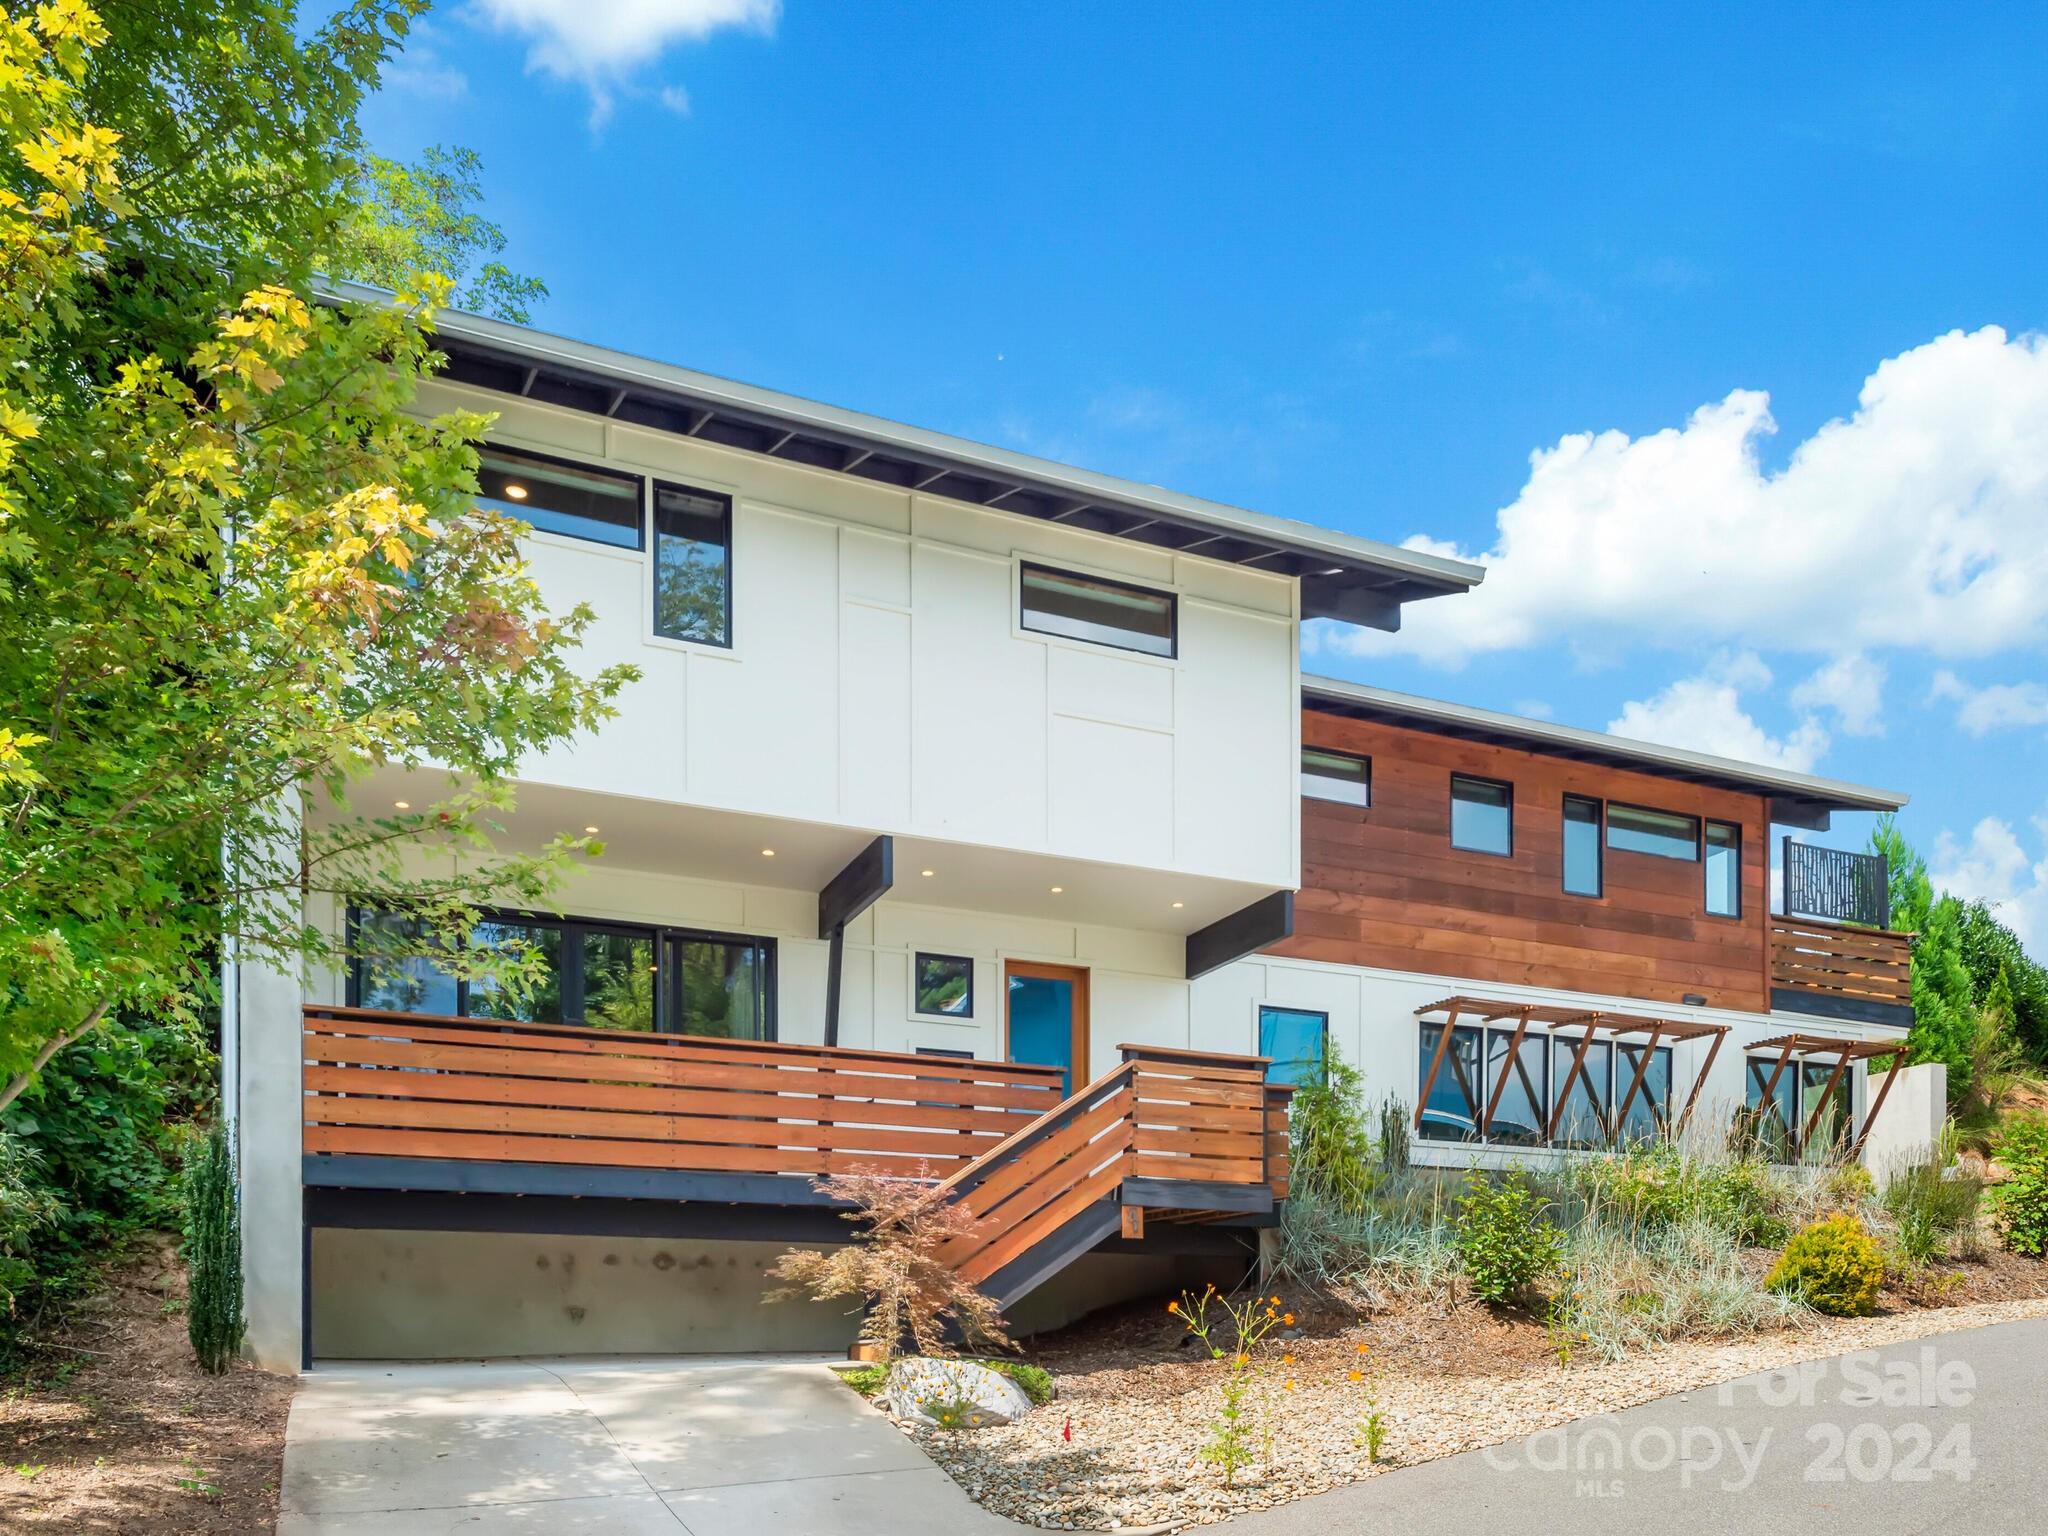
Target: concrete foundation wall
x=1912, y=1118
x=447, y=1295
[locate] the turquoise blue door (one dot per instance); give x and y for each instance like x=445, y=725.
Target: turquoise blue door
x=1048, y=1017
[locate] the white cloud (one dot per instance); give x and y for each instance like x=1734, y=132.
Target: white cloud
x=1983, y=710
x=1921, y=520
x=675, y=99
x=423, y=68
x=1994, y=868
x=1704, y=713
x=1852, y=687
x=600, y=45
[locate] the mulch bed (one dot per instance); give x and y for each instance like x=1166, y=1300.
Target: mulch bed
x=113, y=1427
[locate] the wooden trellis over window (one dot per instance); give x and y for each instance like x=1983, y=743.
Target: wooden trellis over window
x=1802, y=1047
x=1557, y=1022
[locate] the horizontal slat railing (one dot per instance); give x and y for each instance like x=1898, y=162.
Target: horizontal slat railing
x=1199, y=1115
x=410, y=1085
x=1870, y=963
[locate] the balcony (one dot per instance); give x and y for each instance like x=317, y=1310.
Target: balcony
x=1832, y=952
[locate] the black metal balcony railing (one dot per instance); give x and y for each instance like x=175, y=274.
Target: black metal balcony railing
x=1836, y=886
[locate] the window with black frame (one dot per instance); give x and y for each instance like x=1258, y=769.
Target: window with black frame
x=1771, y=1103
x=1643, y=1116
x=1098, y=610
x=1584, y=1114
x=1482, y=815
x=1451, y=1099
x=1724, y=869
x=590, y=972
x=1521, y=1102
x=692, y=565
x=555, y=496
x=1583, y=872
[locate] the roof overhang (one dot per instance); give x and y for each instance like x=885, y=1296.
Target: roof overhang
x=1796, y=799
x=1356, y=581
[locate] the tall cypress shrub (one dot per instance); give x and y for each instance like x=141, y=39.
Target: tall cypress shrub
x=213, y=1255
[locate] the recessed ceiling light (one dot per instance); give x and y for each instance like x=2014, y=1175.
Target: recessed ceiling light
x=516, y=492
x=1057, y=889
x=1179, y=904
x=590, y=829
x=403, y=805
x=927, y=873
x=767, y=853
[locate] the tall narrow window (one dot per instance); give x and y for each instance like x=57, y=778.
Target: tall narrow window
x=1090, y=608
x=1517, y=1086
x=555, y=497
x=1296, y=1042
x=1581, y=845
x=1451, y=1106
x=692, y=565
x=1771, y=1096
x=721, y=987
x=1582, y=1114
x=1724, y=869
x=1482, y=815
x=1339, y=776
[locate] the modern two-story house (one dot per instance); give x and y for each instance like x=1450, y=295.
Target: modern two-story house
x=955, y=829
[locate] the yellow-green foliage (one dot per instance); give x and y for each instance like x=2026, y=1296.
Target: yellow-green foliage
x=1834, y=1266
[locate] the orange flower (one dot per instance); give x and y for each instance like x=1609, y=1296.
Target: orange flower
x=1290, y=1384
x=1173, y=1307
x=1287, y=1359
x=1288, y=1319
x=1276, y=1301
x=1363, y=1348
x=1358, y=1375
x=1242, y=1360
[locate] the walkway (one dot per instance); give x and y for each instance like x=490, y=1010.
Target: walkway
x=710, y=1447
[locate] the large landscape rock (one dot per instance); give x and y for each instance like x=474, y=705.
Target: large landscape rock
x=952, y=1394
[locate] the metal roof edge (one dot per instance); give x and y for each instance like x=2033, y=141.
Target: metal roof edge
x=1541, y=733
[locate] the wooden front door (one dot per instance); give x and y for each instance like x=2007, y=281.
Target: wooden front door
x=1045, y=1016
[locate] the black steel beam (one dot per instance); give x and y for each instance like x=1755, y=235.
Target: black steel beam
x=455, y=1175
x=392, y=1210
x=1246, y=931
x=864, y=881
x=1196, y=1195
x=1829, y=1005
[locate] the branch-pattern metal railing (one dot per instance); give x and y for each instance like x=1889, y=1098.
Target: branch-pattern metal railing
x=1837, y=886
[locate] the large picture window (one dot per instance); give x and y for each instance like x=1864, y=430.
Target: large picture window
x=1095, y=609
x=601, y=974
x=692, y=565
x=559, y=497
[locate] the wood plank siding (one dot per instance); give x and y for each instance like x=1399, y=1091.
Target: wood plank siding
x=1383, y=887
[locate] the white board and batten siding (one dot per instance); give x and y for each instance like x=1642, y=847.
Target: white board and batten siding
x=879, y=679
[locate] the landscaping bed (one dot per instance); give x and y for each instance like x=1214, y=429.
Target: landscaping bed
x=112, y=1427
x=1139, y=1405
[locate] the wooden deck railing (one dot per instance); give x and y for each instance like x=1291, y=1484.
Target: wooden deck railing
x=1846, y=964
x=1197, y=1117
x=411, y=1085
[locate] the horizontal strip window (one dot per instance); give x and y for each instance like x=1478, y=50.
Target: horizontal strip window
x=1104, y=612
x=556, y=496
x=1661, y=834
x=601, y=974
x=692, y=565
x=1482, y=815
x=1583, y=874
x=1338, y=776
x=1488, y=1087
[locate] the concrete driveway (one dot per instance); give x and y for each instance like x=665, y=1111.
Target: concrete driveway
x=739, y=1447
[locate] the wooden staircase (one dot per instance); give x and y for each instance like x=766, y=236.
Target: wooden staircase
x=1168, y=1134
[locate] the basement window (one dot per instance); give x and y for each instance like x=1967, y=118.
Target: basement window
x=1100, y=611
x=559, y=497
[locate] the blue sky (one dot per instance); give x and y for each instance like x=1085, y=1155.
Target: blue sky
x=1758, y=292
